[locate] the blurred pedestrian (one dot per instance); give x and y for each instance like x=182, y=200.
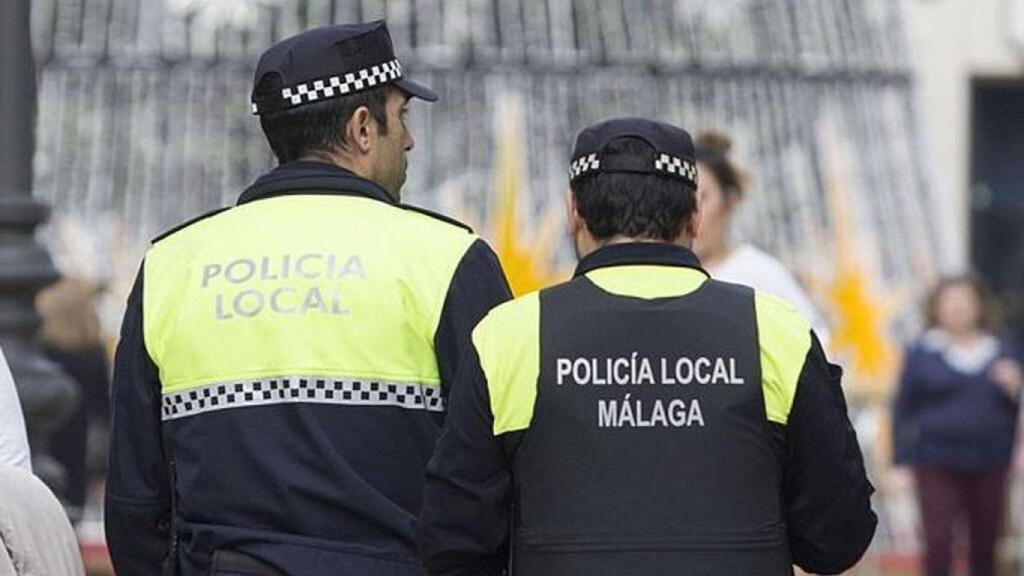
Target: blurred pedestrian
x=954, y=422
x=36, y=538
x=71, y=337
x=722, y=187
x=13, y=437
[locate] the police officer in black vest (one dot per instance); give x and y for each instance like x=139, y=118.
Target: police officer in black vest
x=643, y=419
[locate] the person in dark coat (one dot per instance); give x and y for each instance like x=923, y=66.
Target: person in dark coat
x=954, y=422
x=71, y=338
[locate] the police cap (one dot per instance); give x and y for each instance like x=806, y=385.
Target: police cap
x=329, y=62
x=672, y=155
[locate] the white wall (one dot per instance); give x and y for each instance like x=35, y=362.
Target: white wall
x=953, y=41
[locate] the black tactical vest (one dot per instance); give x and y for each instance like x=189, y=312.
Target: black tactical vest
x=649, y=453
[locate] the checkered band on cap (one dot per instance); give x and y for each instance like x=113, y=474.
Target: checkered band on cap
x=673, y=165
x=665, y=163
x=302, y=389
x=332, y=87
x=582, y=165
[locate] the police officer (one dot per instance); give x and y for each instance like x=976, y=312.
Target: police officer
x=283, y=366
x=643, y=419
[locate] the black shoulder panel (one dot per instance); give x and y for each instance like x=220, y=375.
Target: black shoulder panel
x=436, y=216
x=731, y=287
x=188, y=223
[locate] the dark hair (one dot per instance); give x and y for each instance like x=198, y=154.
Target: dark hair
x=988, y=313
x=713, y=151
x=319, y=127
x=635, y=205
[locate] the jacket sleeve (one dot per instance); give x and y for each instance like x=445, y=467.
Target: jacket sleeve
x=904, y=413
x=464, y=521
x=138, y=497
x=14, y=448
x=477, y=286
x=826, y=491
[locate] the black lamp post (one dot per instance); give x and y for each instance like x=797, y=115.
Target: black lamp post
x=47, y=395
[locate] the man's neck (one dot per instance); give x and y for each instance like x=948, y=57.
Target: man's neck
x=340, y=162
x=593, y=245
x=346, y=163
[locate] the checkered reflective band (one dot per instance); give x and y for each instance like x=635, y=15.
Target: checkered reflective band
x=302, y=389
x=673, y=165
x=325, y=88
x=665, y=163
x=582, y=165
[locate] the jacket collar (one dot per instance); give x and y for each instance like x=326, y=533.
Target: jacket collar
x=310, y=177
x=651, y=253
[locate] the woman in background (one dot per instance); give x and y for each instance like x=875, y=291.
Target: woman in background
x=954, y=422
x=722, y=185
x=71, y=338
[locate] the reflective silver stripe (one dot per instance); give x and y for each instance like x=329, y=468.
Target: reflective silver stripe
x=583, y=164
x=333, y=86
x=674, y=165
x=302, y=389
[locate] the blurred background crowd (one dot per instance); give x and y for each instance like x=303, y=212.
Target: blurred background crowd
x=869, y=169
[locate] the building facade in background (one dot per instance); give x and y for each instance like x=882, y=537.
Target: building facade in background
x=144, y=119
x=968, y=60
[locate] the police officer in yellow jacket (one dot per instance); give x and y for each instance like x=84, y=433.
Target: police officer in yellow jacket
x=283, y=366
x=644, y=419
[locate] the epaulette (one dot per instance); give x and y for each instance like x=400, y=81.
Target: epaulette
x=188, y=223
x=437, y=216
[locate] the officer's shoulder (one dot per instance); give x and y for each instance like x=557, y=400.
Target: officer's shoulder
x=731, y=287
x=518, y=312
x=436, y=218
x=779, y=311
x=186, y=224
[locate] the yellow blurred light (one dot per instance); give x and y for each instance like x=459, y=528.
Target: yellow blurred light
x=526, y=247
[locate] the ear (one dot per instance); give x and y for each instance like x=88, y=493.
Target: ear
x=360, y=130
x=572, y=214
x=692, y=225
x=732, y=198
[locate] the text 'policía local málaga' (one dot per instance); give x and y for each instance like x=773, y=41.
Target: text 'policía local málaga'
x=631, y=411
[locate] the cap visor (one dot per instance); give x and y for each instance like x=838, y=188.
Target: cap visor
x=415, y=89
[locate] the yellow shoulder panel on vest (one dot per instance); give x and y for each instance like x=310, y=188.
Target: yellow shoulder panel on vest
x=159, y=283
x=646, y=281
x=439, y=243
x=784, y=338
x=303, y=285
x=507, y=341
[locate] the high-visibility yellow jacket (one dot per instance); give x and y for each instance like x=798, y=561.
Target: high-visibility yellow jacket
x=281, y=378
